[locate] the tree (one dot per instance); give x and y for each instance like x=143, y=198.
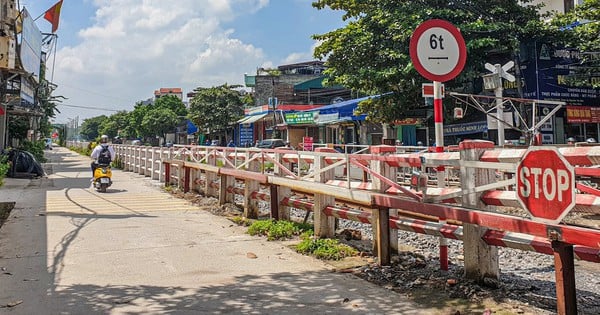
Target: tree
x=91, y=126
x=158, y=122
x=115, y=124
x=371, y=53
x=579, y=29
x=213, y=109
x=171, y=102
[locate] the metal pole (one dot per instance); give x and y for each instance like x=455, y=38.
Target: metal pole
x=438, y=116
x=3, y=127
x=499, y=107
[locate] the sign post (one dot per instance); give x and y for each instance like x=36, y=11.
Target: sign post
x=438, y=52
x=545, y=184
x=494, y=82
x=546, y=189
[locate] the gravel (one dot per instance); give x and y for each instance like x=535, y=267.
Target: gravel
x=526, y=279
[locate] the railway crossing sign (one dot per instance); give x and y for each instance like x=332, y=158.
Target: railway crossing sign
x=545, y=184
x=438, y=50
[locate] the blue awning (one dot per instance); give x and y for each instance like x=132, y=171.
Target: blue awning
x=191, y=128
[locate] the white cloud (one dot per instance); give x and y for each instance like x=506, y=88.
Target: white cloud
x=134, y=47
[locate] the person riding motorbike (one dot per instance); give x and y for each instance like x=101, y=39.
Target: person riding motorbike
x=99, y=154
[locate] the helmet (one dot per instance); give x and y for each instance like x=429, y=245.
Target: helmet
x=104, y=139
x=591, y=140
x=571, y=139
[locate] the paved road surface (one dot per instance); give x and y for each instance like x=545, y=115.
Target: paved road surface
x=67, y=249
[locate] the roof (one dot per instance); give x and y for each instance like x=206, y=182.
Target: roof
x=316, y=83
x=345, y=108
x=297, y=107
x=162, y=91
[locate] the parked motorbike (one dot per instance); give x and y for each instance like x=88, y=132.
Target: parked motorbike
x=102, y=177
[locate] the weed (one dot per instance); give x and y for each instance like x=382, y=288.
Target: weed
x=240, y=221
x=4, y=166
x=324, y=248
x=276, y=230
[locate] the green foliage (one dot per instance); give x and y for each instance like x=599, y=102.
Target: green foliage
x=36, y=148
x=4, y=167
x=90, y=128
x=275, y=230
x=173, y=103
x=18, y=126
x=83, y=151
x=215, y=108
x=579, y=29
x=371, y=53
x=324, y=248
x=115, y=125
x=158, y=121
x=241, y=221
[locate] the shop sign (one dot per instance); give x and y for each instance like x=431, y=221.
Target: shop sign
x=300, y=118
x=464, y=129
x=246, y=134
x=408, y=121
x=583, y=114
x=256, y=110
x=326, y=118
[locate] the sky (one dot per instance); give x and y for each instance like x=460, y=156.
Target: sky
x=111, y=54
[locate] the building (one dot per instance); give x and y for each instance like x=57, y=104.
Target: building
x=286, y=89
x=168, y=91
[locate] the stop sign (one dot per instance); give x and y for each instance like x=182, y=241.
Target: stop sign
x=545, y=184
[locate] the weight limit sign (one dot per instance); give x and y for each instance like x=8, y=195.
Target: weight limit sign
x=438, y=50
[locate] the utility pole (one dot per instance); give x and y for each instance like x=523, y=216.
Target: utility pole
x=493, y=81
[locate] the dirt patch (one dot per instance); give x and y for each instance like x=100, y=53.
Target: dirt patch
x=5, y=209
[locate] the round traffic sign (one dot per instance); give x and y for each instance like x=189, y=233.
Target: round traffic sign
x=438, y=50
x=545, y=184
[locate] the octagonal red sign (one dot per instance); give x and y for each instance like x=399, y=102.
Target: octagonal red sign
x=545, y=184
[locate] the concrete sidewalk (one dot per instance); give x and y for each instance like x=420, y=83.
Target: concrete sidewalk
x=67, y=249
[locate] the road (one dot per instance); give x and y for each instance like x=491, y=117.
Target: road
x=67, y=249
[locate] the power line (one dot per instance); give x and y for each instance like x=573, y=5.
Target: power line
x=90, y=107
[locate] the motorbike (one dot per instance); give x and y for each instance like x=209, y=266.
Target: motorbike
x=102, y=177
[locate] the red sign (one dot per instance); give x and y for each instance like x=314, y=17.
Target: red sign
x=427, y=90
x=438, y=50
x=545, y=184
x=307, y=143
x=583, y=114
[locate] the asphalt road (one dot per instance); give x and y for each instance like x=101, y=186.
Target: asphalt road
x=67, y=249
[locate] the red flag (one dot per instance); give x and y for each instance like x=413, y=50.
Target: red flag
x=53, y=14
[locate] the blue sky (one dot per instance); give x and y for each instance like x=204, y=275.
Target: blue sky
x=112, y=53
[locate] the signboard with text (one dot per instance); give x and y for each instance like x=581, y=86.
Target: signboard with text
x=246, y=134
x=300, y=118
x=465, y=129
x=583, y=114
x=548, y=72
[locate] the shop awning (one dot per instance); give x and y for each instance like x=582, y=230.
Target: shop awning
x=252, y=119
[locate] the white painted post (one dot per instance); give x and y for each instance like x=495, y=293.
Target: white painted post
x=324, y=225
x=481, y=260
x=383, y=168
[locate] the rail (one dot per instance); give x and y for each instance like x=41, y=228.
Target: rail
x=474, y=199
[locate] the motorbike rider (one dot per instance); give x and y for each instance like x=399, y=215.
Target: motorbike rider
x=99, y=153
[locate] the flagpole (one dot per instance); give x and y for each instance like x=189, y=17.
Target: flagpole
x=40, y=16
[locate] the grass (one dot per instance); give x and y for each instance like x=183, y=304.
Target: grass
x=324, y=248
x=277, y=230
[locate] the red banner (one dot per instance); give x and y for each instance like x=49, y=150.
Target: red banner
x=583, y=114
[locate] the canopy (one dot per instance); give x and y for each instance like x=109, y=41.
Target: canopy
x=252, y=119
x=191, y=128
x=345, y=108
